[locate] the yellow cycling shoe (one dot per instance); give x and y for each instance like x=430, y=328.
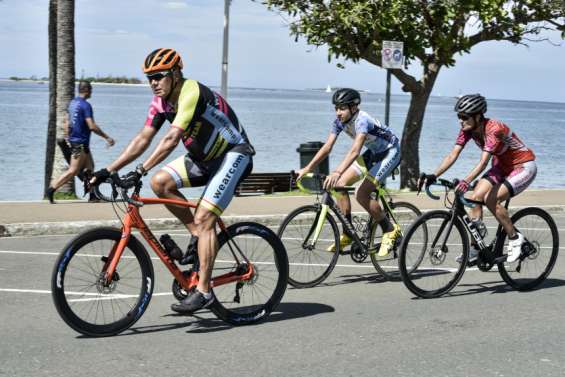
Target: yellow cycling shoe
x=388, y=241
x=344, y=241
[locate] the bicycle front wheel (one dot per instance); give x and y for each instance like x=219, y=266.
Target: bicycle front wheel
x=404, y=214
x=84, y=300
x=310, y=263
x=539, y=251
x=427, y=258
x=249, y=301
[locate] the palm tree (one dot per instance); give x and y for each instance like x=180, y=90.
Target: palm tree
x=65, y=79
x=52, y=124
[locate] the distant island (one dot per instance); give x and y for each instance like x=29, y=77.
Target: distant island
x=105, y=79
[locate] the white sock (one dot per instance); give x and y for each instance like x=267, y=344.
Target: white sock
x=207, y=295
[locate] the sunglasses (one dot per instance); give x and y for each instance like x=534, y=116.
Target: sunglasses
x=463, y=117
x=157, y=76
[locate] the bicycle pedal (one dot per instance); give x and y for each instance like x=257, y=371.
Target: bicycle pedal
x=500, y=259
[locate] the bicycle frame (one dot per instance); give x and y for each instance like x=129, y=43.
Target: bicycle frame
x=328, y=203
x=458, y=210
x=133, y=220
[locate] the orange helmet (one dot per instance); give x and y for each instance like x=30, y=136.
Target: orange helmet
x=162, y=59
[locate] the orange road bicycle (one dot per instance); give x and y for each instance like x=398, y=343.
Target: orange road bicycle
x=103, y=279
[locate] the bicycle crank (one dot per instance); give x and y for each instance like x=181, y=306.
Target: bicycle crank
x=358, y=254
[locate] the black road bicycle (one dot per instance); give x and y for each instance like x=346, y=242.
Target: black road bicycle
x=433, y=242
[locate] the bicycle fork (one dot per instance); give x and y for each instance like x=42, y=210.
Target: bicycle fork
x=316, y=228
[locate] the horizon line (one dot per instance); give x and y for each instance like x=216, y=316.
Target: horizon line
x=367, y=91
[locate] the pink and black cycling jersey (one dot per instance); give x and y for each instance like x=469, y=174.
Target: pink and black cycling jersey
x=210, y=126
x=500, y=141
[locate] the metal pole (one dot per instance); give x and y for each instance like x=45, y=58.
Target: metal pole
x=224, y=89
x=387, y=100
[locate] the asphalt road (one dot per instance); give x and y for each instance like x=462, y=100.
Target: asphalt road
x=354, y=324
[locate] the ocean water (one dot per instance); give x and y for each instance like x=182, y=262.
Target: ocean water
x=277, y=122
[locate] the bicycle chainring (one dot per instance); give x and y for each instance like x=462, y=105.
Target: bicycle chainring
x=484, y=265
x=358, y=254
x=178, y=291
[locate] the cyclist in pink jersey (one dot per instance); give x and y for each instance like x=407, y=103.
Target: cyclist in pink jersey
x=513, y=166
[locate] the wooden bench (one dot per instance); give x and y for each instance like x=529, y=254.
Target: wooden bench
x=265, y=183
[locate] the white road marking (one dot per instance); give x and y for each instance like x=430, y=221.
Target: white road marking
x=105, y=297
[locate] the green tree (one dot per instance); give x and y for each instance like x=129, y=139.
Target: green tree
x=433, y=32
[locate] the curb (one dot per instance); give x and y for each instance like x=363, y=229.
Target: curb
x=75, y=227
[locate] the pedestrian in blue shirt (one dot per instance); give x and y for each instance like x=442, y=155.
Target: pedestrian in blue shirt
x=78, y=127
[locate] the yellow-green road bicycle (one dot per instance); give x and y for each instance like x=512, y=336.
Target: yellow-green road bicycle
x=311, y=234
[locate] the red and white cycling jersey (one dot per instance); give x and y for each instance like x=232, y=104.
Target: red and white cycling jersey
x=499, y=140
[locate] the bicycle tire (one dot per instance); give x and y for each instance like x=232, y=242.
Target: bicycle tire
x=419, y=279
x=528, y=277
x=405, y=214
x=79, y=266
x=266, y=252
x=309, y=267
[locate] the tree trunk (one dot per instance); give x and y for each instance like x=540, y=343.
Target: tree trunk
x=52, y=123
x=65, y=78
x=410, y=165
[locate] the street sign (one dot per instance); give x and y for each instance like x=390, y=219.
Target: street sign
x=392, y=54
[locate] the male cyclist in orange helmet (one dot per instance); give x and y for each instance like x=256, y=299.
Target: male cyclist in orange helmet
x=513, y=167
x=219, y=156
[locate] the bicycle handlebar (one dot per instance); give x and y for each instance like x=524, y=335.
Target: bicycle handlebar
x=319, y=181
x=450, y=185
x=116, y=182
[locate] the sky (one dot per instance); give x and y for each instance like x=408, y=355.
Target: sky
x=113, y=38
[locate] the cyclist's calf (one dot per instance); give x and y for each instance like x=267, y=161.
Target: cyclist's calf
x=363, y=196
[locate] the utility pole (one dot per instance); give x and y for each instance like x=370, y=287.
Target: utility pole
x=387, y=98
x=224, y=90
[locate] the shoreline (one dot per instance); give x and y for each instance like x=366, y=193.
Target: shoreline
x=367, y=92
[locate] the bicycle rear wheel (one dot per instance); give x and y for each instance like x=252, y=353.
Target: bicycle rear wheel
x=84, y=301
x=427, y=255
x=404, y=215
x=246, y=302
x=309, y=265
x=539, y=252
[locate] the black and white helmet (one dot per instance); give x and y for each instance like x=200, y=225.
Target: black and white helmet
x=471, y=104
x=346, y=96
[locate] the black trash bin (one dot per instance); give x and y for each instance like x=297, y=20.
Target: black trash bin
x=307, y=151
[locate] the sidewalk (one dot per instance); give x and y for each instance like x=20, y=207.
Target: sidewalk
x=67, y=217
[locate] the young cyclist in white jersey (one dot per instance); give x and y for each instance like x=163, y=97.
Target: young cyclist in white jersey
x=381, y=157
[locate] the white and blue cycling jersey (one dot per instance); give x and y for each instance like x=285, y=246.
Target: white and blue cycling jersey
x=380, y=138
